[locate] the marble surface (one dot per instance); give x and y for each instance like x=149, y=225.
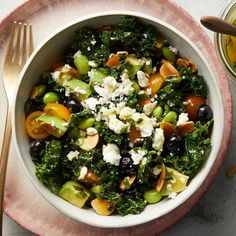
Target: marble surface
x=215, y=214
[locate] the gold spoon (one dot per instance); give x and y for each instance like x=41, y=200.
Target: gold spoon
x=218, y=25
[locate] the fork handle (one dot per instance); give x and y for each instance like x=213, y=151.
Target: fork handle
x=3, y=162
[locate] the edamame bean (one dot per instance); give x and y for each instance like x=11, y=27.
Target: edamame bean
x=158, y=111
x=170, y=117
x=86, y=123
x=152, y=196
x=136, y=87
x=50, y=97
x=82, y=64
x=168, y=54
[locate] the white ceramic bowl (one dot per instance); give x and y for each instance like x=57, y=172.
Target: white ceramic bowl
x=48, y=52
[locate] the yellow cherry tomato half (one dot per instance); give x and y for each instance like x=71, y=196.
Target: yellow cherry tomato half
x=33, y=128
x=58, y=110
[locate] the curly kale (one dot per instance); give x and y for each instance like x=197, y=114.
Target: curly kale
x=131, y=204
x=192, y=82
x=127, y=35
x=197, y=145
x=108, y=135
x=49, y=170
x=176, y=87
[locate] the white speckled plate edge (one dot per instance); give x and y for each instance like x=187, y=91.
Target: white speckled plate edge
x=25, y=205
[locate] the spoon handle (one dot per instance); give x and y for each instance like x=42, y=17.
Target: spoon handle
x=218, y=25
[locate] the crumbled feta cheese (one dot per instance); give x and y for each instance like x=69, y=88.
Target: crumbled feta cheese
x=93, y=42
x=158, y=139
x=148, y=108
x=91, y=103
x=118, y=126
x=143, y=123
x=119, y=107
x=91, y=131
x=92, y=64
x=72, y=155
x=126, y=113
x=183, y=118
x=83, y=172
x=106, y=114
x=137, y=156
x=102, y=92
x=173, y=49
x=142, y=79
x=111, y=154
x=110, y=84
x=56, y=75
x=65, y=68
x=148, y=63
x=124, y=88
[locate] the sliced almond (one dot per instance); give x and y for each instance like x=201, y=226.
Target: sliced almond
x=127, y=182
x=168, y=70
x=91, y=177
x=187, y=64
x=90, y=142
x=168, y=128
x=161, y=180
x=187, y=127
x=102, y=206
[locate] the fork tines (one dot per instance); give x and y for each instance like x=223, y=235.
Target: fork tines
x=17, y=50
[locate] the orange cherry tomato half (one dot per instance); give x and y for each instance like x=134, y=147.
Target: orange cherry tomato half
x=58, y=110
x=155, y=83
x=33, y=128
x=192, y=104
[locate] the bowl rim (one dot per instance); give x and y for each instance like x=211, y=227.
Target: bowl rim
x=38, y=48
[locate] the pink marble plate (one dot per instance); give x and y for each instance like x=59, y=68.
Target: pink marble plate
x=22, y=202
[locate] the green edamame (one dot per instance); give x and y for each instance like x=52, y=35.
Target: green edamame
x=152, y=196
x=168, y=54
x=158, y=111
x=170, y=117
x=82, y=64
x=86, y=123
x=50, y=97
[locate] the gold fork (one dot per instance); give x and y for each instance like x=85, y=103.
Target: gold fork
x=19, y=49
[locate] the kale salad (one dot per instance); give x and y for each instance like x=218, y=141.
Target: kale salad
x=121, y=122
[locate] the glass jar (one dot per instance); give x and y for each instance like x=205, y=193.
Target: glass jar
x=225, y=44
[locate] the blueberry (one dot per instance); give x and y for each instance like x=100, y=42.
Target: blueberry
x=205, y=113
x=126, y=166
x=74, y=106
x=36, y=147
x=174, y=145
